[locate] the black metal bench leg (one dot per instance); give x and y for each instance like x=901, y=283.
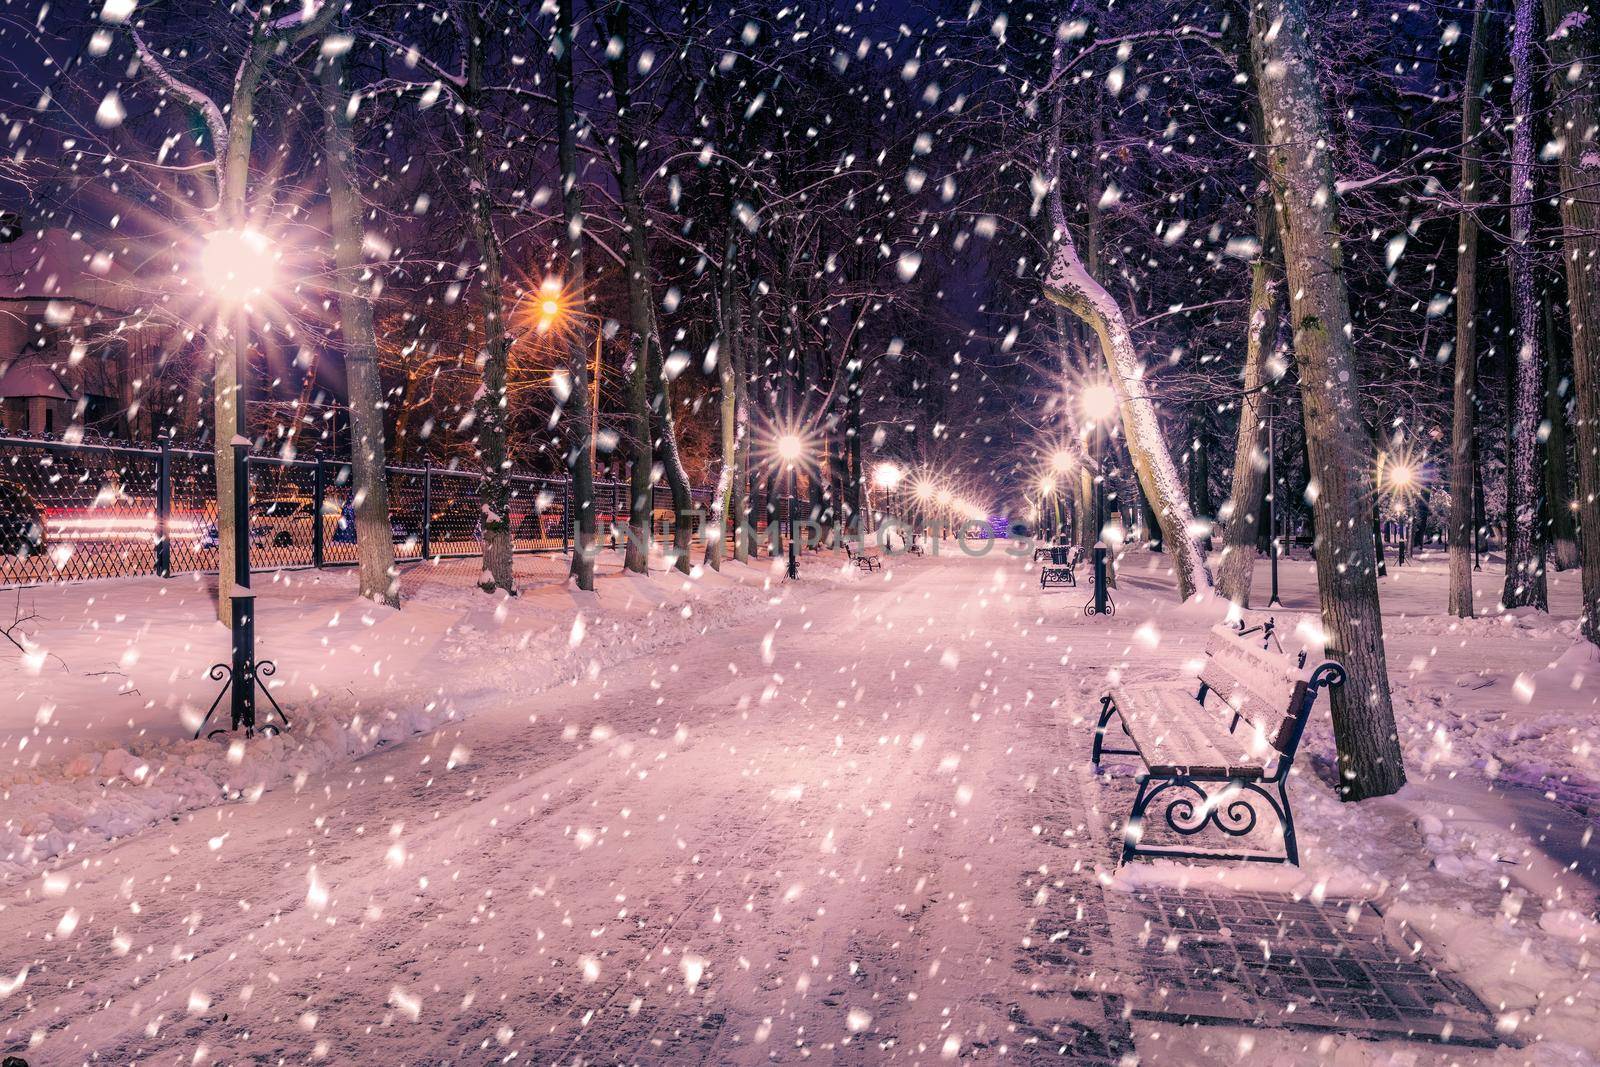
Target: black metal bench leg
x=1099, y=749
x=1291, y=848
x=1134, y=829
x=1106, y=710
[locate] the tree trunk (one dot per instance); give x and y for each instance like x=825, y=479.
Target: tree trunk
x=1525, y=584
x=742, y=354
x=576, y=413
x=490, y=408
x=1573, y=42
x=379, y=580
x=1460, y=522
x=1083, y=505
x=1562, y=524
x=722, y=504
x=640, y=301
x=1249, y=458
x=672, y=460
x=1200, y=465
x=1338, y=451
x=230, y=348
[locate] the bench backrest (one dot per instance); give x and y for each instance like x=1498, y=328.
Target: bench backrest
x=1264, y=687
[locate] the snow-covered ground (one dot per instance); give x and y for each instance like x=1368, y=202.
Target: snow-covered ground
x=726, y=819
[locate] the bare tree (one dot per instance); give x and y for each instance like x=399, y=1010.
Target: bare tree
x=378, y=579
x=232, y=136
x=1574, y=43
x=576, y=413
x=1068, y=283
x=1249, y=461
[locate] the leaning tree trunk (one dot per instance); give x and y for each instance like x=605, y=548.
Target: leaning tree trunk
x=1249, y=458
x=640, y=314
x=490, y=410
x=1338, y=451
x=1460, y=522
x=576, y=414
x=378, y=579
x=1069, y=283
x=1573, y=44
x=1525, y=584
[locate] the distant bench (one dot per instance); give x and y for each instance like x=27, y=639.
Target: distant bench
x=1062, y=568
x=1187, y=742
x=863, y=561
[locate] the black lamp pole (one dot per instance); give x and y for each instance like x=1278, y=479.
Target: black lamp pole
x=1272, y=497
x=242, y=673
x=794, y=555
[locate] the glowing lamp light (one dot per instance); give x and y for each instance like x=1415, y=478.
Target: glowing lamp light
x=923, y=491
x=945, y=497
x=237, y=264
x=1061, y=462
x=1047, y=485
x=886, y=475
x=789, y=447
x=1099, y=402
x=550, y=304
x=1402, y=476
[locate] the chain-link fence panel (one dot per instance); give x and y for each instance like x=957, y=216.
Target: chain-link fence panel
x=71, y=512
x=76, y=511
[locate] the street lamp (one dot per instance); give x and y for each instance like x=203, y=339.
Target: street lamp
x=887, y=476
x=1047, y=492
x=237, y=266
x=790, y=449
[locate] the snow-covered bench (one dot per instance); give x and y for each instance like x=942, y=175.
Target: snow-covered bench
x=1062, y=568
x=862, y=560
x=1238, y=734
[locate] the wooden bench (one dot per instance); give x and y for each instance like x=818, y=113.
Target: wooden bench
x=1213, y=754
x=862, y=560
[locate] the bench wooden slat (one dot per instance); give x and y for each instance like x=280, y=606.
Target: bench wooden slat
x=1264, y=687
x=1174, y=735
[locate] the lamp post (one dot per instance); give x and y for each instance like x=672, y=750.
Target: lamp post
x=790, y=448
x=1272, y=498
x=1099, y=405
x=237, y=266
x=886, y=477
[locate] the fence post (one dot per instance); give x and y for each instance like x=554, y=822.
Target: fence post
x=319, y=495
x=427, y=507
x=566, y=516
x=164, y=510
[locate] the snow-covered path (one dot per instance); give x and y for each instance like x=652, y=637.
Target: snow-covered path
x=732, y=851
x=852, y=825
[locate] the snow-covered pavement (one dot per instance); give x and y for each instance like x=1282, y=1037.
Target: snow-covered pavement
x=853, y=824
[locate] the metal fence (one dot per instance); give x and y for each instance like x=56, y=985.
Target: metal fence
x=76, y=511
